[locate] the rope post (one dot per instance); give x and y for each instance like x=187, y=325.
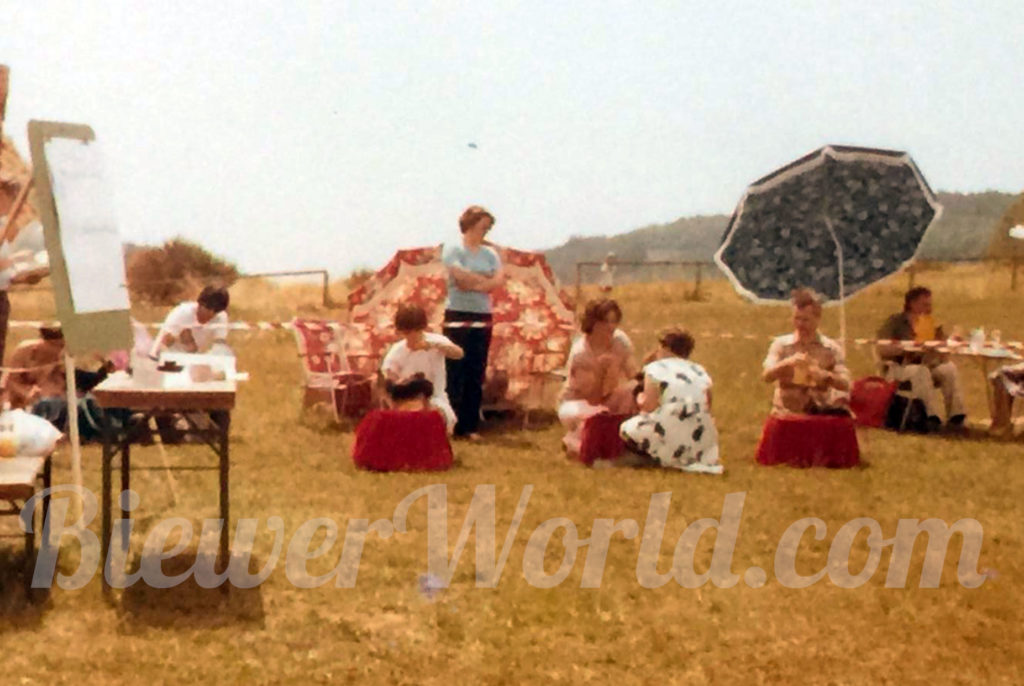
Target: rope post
x=327, y=296
x=579, y=285
x=73, y=435
x=696, y=285
x=4, y=84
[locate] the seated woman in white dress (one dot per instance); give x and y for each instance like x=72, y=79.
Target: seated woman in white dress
x=600, y=372
x=420, y=354
x=675, y=426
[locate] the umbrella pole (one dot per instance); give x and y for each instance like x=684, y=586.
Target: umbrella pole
x=842, y=286
x=73, y=435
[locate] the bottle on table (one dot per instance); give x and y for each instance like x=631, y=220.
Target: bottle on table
x=8, y=437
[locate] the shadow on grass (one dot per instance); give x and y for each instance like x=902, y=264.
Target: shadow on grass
x=506, y=428
x=967, y=434
x=18, y=610
x=187, y=605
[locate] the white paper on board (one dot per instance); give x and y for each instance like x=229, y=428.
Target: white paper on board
x=92, y=246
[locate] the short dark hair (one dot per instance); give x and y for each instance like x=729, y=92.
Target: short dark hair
x=416, y=387
x=596, y=311
x=679, y=341
x=913, y=294
x=410, y=318
x=51, y=333
x=214, y=299
x=806, y=297
x=471, y=215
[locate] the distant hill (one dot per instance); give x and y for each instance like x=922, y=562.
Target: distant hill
x=962, y=233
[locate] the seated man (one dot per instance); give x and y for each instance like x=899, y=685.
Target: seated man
x=808, y=369
x=933, y=379
x=40, y=385
x=421, y=355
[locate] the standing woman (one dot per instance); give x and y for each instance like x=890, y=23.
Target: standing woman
x=474, y=270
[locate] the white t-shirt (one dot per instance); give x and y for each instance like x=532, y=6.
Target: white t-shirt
x=184, y=316
x=403, y=363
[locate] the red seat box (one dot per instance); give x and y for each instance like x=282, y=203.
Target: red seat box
x=809, y=441
x=601, y=440
x=393, y=441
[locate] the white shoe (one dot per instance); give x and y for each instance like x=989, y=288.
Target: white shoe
x=701, y=468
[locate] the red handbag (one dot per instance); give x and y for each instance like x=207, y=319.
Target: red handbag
x=353, y=397
x=869, y=400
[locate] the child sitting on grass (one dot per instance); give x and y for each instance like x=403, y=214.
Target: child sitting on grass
x=411, y=395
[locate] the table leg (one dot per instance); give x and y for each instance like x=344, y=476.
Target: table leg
x=224, y=424
x=126, y=473
x=109, y=450
x=47, y=481
x=30, y=551
x=989, y=395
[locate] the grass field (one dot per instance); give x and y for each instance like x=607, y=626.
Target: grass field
x=384, y=630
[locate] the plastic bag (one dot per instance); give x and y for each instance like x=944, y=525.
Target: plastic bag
x=36, y=437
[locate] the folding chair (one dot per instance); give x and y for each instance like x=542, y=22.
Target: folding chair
x=20, y=479
x=887, y=370
x=328, y=374
x=542, y=380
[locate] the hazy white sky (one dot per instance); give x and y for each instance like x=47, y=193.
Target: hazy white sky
x=289, y=135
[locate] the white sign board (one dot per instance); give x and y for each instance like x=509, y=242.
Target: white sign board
x=92, y=244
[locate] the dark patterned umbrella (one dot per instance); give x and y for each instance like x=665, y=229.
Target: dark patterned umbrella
x=836, y=220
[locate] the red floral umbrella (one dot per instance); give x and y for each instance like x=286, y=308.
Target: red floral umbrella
x=533, y=316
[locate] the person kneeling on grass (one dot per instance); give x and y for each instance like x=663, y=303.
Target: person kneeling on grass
x=599, y=374
x=38, y=385
x=675, y=426
x=423, y=354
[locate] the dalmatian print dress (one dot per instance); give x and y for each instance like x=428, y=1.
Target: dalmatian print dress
x=680, y=433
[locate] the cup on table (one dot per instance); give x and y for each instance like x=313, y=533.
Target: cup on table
x=977, y=341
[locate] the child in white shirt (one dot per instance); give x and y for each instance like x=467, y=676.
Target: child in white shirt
x=420, y=353
x=194, y=327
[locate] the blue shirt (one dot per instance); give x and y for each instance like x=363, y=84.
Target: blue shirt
x=485, y=261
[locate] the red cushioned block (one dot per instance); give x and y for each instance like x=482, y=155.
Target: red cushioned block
x=601, y=440
x=809, y=441
x=869, y=400
x=393, y=441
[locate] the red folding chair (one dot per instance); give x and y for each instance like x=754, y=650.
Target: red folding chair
x=328, y=374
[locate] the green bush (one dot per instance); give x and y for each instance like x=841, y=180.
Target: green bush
x=175, y=271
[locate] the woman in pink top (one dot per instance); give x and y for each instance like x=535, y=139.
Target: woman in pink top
x=601, y=372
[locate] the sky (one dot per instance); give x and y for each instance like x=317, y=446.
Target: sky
x=325, y=135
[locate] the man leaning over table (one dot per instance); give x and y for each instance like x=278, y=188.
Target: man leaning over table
x=933, y=378
x=193, y=327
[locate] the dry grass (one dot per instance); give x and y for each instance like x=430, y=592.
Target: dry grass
x=384, y=631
